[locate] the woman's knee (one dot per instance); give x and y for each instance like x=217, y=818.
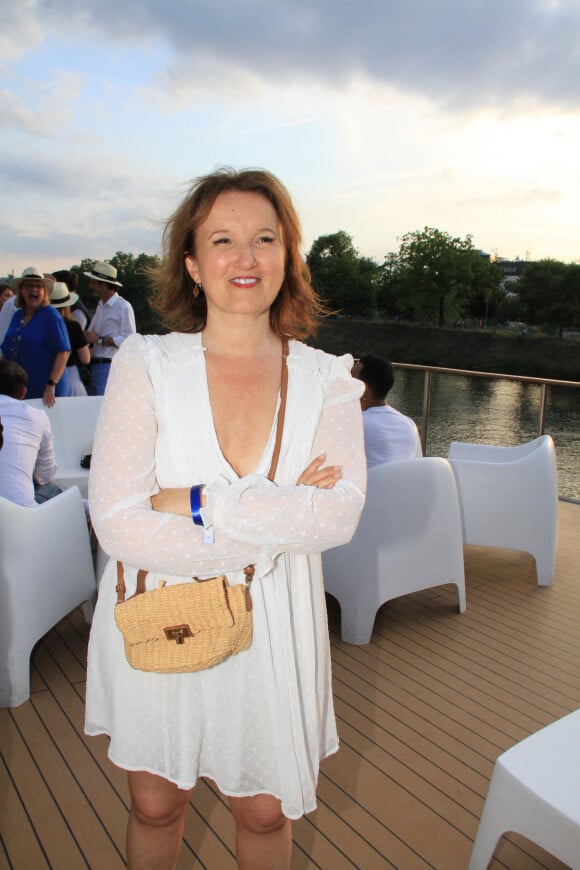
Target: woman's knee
x=261, y=814
x=155, y=801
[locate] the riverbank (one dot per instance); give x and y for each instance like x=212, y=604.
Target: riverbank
x=475, y=350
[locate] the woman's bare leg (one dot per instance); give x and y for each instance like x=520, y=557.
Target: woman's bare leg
x=156, y=822
x=263, y=833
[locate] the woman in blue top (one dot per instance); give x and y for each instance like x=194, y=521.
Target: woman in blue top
x=37, y=338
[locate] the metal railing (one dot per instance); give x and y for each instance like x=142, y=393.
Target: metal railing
x=544, y=383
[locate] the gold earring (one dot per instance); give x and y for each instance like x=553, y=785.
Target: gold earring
x=197, y=288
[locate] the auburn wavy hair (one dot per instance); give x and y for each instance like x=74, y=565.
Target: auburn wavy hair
x=297, y=310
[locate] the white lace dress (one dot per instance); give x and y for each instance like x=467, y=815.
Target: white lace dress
x=261, y=721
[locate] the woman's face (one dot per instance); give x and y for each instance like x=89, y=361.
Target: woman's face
x=33, y=294
x=239, y=255
x=5, y=294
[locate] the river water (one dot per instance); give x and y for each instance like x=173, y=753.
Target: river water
x=493, y=411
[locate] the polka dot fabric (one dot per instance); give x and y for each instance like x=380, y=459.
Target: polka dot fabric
x=261, y=721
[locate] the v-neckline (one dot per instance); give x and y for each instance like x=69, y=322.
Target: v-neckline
x=263, y=463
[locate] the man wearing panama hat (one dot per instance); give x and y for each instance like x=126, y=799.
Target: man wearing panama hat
x=112, y=322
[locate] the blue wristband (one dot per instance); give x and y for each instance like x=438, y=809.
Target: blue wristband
x=195, y=505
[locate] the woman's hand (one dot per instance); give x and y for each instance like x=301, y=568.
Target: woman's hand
x=48, y=396
x=56, y=373
x=316, y=474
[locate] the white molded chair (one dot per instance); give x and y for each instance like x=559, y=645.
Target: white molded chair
x=73, y=421
x=408, y=539
x=535, y=791
x=509, y=498
x=46, y=570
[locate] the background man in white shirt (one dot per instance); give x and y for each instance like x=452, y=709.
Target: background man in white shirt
x=112, y=322
x=389, y=435
x=27, y=461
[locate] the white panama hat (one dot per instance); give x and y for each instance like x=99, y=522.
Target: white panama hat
x=104, y=272
x=60, y=295
x=30, y=273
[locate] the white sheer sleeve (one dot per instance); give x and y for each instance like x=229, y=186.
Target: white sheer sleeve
x=303, y=519
x=252, y=517
x=123, y=479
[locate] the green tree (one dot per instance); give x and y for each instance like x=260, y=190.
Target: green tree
x=137, y=288
x=486, y=295
x=348, y=282
x=433, y=275
x=550, y=293
x=388, y=295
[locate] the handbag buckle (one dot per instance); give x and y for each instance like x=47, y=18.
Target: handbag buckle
x=178, y=633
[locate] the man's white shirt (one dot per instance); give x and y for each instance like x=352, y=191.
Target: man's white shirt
x=28, y=451
x=389, y=436
x=114, y=318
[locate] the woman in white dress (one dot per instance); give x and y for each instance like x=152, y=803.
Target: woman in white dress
x=198, y=407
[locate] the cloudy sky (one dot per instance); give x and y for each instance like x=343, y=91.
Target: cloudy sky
x=381, y=117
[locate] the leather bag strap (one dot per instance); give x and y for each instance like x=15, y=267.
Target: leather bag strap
x=281, y=411
x=121, y=589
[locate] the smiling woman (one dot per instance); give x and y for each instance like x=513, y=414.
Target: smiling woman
x=296, y=310
x=239, y=255
x=182, y=487
x=37, y=338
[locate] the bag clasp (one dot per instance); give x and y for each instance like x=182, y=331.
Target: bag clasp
x=178, y=633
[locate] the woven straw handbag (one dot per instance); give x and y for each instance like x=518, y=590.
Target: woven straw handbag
x=188, y=627
x=184, y=627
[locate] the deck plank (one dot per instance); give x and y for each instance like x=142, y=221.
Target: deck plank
x=209, y=828
x=408, y=802
x=37, y=794
x=17, y=836
x=344, y=796
x=327, y=840
x=75, y=790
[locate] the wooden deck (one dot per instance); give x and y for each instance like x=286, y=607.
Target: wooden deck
x=423, y=711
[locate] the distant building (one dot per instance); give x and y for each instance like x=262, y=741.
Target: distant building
x=512, y=269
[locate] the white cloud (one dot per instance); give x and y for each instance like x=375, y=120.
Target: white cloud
x=456, y=54
x=40, y=108
x=380, y=117
x=21, y=29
